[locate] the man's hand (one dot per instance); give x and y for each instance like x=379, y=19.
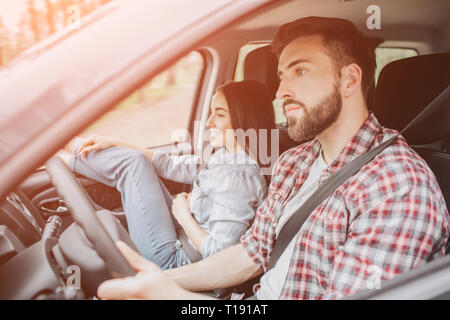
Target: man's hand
x=180, y=208
x=149, y=283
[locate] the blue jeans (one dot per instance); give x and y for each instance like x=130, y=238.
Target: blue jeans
x=146, y=201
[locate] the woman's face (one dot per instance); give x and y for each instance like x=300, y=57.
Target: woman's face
x=219, y=122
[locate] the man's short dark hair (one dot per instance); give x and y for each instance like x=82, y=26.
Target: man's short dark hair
x=344, y=42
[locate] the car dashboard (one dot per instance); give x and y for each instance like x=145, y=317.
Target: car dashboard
x=38, y=253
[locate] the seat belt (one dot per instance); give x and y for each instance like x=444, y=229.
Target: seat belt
x=293, y=225
x=190, y=251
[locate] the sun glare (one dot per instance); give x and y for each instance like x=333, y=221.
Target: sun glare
x=10, y=12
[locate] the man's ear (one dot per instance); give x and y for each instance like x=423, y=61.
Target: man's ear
x=351, y=77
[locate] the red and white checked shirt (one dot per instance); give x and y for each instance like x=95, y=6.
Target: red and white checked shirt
x=388, y=218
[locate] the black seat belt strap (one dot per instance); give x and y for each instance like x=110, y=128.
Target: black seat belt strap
x=291, y=228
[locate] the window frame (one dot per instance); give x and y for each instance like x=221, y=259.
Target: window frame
x=200, y=94
x=390, y=47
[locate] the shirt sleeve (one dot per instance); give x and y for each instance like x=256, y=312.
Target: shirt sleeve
x=182, y=169
x=398, y=223
x=253, y=239
x=233, y=209
x=257, y=240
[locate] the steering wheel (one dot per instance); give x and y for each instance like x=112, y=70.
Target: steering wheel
x=85, y=216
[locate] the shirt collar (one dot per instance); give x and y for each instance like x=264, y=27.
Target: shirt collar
x=361, y=142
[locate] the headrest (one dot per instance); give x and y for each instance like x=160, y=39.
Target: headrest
x=405, y=87
x=262, y=65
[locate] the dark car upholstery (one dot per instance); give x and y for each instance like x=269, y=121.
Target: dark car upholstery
x=262, y=65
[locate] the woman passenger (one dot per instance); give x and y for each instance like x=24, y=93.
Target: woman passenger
x=225, y=192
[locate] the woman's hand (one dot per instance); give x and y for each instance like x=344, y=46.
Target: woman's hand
x=96, y=142
x=182, y=213
x=180, y=208
x=150, y=282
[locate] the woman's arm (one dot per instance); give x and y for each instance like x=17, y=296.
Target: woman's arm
x=182, y=168
x=234, y=199
x=176, y=168
x=96, y=142
x=182, y=213
x=232, y=210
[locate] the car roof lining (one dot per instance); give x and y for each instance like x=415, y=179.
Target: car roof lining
x=419, y=12
x=422, y=26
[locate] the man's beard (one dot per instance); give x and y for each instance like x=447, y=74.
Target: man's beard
x=318, y=119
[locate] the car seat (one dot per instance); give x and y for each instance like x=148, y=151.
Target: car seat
x=405, y=87
x=262, y=65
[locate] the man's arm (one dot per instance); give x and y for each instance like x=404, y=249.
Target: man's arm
x=151, y=282
x=392, y=228
x=227, y=268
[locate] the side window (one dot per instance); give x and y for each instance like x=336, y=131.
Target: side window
x=152, y=114
x=386, y=55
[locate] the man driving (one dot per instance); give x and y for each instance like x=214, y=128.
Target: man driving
x=388, y=218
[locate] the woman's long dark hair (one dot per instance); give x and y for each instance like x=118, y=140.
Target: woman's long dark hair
x=250, y=107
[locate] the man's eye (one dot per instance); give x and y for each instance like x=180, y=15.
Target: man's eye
x=300, y=72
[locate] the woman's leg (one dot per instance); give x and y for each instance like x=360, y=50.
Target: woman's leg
x=145, y=203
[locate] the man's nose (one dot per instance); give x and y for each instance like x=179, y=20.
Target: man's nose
x=284, y=92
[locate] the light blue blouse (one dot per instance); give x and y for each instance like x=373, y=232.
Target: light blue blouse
x=225, y=194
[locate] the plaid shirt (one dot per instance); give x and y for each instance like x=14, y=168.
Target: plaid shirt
x=385, y=220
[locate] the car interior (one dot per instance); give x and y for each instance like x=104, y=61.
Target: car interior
x=36, y=249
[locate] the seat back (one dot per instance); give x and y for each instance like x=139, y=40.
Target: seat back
x=405, y=87
x=262, y=65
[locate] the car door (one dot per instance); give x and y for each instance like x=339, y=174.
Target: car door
x=430, y=281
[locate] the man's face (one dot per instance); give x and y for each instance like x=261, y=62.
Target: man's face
x=309, y=87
